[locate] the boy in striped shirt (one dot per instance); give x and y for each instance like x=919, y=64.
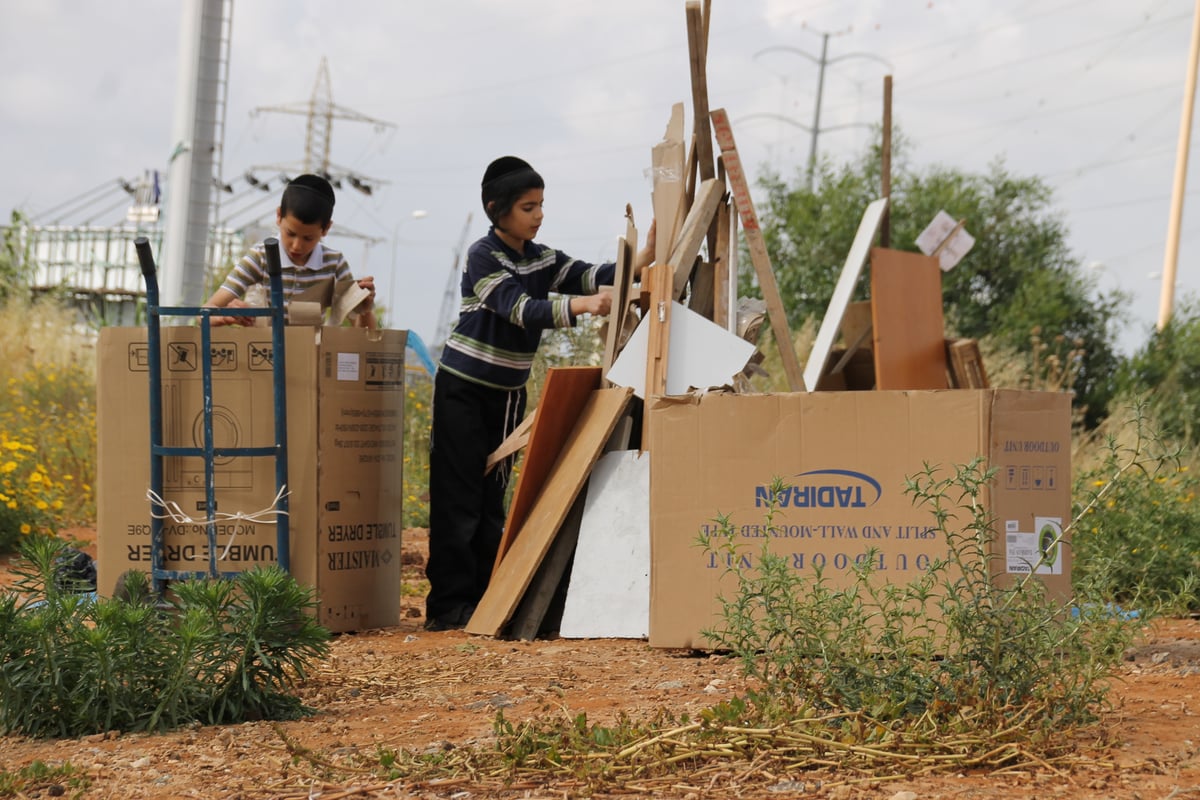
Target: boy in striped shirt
x=310, y=269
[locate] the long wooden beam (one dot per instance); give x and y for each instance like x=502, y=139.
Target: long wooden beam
x=740, y=188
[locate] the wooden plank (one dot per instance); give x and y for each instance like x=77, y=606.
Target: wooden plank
x=534, y=608
x=544, y=600
x=847, y=280
x=966, y=364
x=856, y=323
x=564, y=395
x=580, y=451
x=885, y=163
x=732, y=277
x=697, y=27
x=689, y=184
x=691, y=235
x=620, y=299
x=719, y=299
x=657, y=321
x=666, y=163
x=511, y=444
x=907, y=329
x=758, y=249
x=697, y=56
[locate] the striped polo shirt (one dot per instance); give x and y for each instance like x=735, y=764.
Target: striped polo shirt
x=324, y=265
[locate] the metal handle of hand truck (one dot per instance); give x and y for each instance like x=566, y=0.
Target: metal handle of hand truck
x=145, y=255
x=271, y=245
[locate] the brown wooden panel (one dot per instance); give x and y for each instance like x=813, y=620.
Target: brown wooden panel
x=564, y=395
x=908, y=329
x=966, y=364
x=579, y=453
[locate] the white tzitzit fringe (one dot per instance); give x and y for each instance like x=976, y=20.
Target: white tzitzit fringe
x=173, y=512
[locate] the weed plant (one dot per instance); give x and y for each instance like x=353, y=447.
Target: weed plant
x=418, y=417
x=47, y=415
x=216, y=651
x=38, y=779
x=952, y=652
x=1137, y=536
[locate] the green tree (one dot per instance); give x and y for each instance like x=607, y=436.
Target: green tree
x=1019, y=279
x=15, y=276
x=1167, y=372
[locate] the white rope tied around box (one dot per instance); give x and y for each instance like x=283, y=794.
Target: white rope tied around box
x=176, y=514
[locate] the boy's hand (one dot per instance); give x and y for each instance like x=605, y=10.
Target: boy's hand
x=367, y=283
x=599, y=304
x=245, y=322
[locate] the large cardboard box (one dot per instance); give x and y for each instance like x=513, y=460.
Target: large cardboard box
x=345, y=423
x=845, y=456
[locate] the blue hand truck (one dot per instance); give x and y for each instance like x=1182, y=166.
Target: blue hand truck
x=207, y=450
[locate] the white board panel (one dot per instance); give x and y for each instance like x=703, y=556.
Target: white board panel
x=702, y=355
x=608, y=594
x=855, y=261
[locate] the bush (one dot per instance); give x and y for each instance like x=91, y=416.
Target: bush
x=951, y=652
x=1166, y=371
x=418, y=410
x=1136, y=538
x=47, y=415
x=218, y=651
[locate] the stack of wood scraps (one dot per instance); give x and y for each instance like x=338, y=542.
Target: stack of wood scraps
x=675, y=332
x=574, y=555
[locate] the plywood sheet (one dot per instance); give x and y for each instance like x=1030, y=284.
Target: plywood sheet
x=579, y=452
x=608, y=595
x=564, y=395
x=907, y=325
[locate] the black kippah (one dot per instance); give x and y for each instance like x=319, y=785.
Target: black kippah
x=316, y=184
x=503, y=167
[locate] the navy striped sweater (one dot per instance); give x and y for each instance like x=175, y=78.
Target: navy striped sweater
x=507, y=303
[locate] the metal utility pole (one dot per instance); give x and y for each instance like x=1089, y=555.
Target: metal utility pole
x=1170, y=261
x=821, y=63
x=198, y=128
x=321, y=111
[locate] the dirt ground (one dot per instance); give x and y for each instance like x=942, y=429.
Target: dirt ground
x=404, y=688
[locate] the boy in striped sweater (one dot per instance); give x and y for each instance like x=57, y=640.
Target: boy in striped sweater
x=310, y=269
x=512, y=290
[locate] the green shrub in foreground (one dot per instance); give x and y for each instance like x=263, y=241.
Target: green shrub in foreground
x=950, y=652
x=223, y=651
x=1137, y=536
x=39, y=777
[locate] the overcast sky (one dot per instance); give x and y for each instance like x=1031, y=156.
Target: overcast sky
x=1086, y=94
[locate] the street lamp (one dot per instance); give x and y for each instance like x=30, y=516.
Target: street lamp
x=393, y=278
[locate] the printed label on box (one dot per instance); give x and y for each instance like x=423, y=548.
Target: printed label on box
x=1040, y=552
x=347, y=366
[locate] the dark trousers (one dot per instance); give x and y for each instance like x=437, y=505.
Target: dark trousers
x=466, y=507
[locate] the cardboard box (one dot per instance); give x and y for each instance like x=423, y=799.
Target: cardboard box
x=345, y=421
x=846, y=456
